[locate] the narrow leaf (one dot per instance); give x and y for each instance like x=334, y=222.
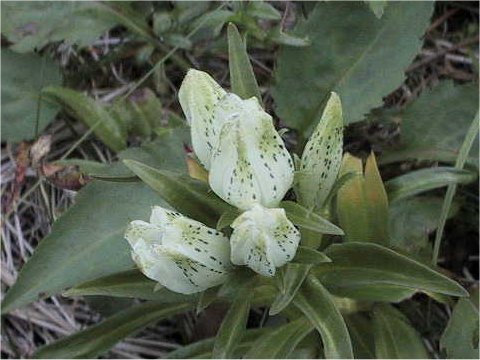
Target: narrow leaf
x=306, y=255
x=361, y=266
x=91, y=113
x=242, y=77
x=190, y=197
x=279, y=343
x=292, y=278
x=395, y=338
x=318, y=306
x=361, y=332
x=423, y=180
x=233, y=327
x=96, y=340
x=309, y=220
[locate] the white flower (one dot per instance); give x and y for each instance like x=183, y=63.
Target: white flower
x=263, y=239
x=322, y=157
x=198, y=95
x=250, y=164
x=181, y=254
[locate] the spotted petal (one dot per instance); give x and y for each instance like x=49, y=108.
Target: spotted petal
x=322, y=157
x=180, y=253
x=263, y=239
x=198, y=95
x=251, y=164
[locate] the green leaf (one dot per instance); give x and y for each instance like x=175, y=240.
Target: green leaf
x=203, y=349
x=191, y=197
x=460, y=338
x=291, y=279
x=362, y=204
x=377, y=6
x=96, y=340
x=361, y=334
x=279, y=343
x=87, y=241
x=306, y=255
x=242, y=77
x=395, y=338
x=31, y=25
x=434, y=125
x=418, y=181
x=128, y=284
x=318, y=306
x=361, y=66
x=92, y=113
x=360, y=268
x=412, y=220
x=278, y=36
x=306, y=219
x=233, y=326
x=227, y=218
x=23, y=76
x=263, y=10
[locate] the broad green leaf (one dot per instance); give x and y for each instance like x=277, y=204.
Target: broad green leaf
x=358, y=268
x=306, y=219
x=242, y=77
x=233, y=326
x=290, y=281
x=278, y=343
x=395, y=338
x=318, y=306
x=362, y=205
x=321, y=157
x=87, y=241
x=128, y=284
x=460, y=338
x=361, y=66
x=306, y=255
x=203, y=349
x=92, y=113
x=434, y=125
x=97, y=339
x=361, y=334
x=377, y=6
x=31, y=25
x=188, y=196
x=419, y=181
x=411, y=220
x=23, y=76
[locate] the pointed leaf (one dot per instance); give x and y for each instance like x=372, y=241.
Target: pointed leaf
x=304, y=218
x=306, y=255
x=395, y=338
x=318, y=306
x=362, y=205
x=279, y=343
x=359, y=266
x=233, y=327
x=93, y=114
x=97, y=339
x=419, y=181
x=292, y=278
x=242, y=76
x=186, y=195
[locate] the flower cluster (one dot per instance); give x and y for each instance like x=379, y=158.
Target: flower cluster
x=250, y=168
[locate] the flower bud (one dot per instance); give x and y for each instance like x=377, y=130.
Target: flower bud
x=198, y=95
x=322, y=157
x=181, y=254
x=263, y=239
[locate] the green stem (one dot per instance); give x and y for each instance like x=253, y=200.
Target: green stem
x=447, y=202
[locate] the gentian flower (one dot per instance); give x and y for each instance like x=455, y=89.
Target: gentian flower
x=181, y=254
